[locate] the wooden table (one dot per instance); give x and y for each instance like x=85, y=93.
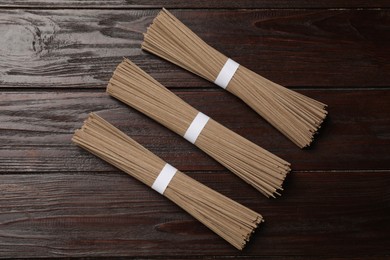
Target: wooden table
x=57, y=200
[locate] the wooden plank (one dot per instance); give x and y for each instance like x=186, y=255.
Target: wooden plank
x=111, y=214
x=36, y=128
x=120, y=4
x=80, y=48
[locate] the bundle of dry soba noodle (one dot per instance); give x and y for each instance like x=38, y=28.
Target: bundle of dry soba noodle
x=229, y=219
x=297, y=116
x=255, y=165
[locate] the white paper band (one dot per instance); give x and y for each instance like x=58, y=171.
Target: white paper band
x=196, y=127
x=226, y=73
x=164, y=178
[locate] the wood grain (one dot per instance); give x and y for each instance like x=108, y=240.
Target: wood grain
x=111, y=214
x=121, y=4
x=57, y=200
x=36, y=128
x=312, y=48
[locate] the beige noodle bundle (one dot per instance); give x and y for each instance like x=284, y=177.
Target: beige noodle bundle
x=298, y=117
x=258, y=167
x=229, y=219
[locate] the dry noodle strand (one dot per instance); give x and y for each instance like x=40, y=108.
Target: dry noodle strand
x=296, y=116
x=229, y=219
x=258, y=167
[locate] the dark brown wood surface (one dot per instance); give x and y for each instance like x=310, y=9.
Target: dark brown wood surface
x=296, y=48
x=57, y=200
x=150, y=4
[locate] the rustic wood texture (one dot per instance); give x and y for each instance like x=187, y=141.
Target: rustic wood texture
x=121, y=4
x=43, y=124
x=57, y=200
x=90, y=214
x=327, y=48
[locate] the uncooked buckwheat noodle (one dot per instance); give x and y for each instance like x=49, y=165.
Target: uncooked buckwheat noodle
x=229, y=219
x=298, y=117
x=258, y=167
